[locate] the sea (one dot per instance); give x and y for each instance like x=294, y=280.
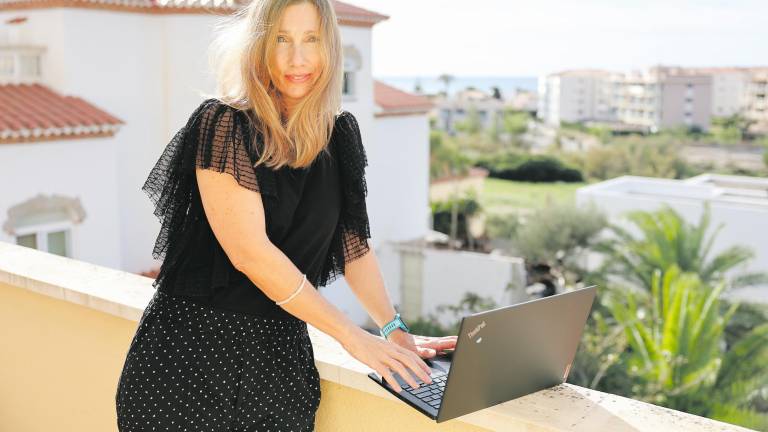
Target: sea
x=431, y=84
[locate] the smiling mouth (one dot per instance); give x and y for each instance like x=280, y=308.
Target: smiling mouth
x=298, y=78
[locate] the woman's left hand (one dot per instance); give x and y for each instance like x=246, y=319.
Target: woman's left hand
x=424, y=346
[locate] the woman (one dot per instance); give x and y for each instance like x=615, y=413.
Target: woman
x=261, y=198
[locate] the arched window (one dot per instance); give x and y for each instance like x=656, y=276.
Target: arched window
x=352, y=64
x=45, y=223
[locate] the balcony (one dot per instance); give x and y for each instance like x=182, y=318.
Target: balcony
x=66, y=327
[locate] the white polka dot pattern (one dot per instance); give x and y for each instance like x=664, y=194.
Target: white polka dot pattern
x=195, y=368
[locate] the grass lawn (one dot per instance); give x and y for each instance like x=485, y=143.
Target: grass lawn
x=504, y=196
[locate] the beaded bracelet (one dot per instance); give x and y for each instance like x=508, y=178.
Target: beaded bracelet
x=295, y=293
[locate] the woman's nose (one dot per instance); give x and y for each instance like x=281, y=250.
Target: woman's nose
x=298, y=56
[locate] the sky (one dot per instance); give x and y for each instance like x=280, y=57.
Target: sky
x=530, y=38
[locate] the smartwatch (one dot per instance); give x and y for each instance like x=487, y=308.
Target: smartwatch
x=396, y=323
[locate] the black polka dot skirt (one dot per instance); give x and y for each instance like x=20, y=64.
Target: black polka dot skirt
x=195, y=368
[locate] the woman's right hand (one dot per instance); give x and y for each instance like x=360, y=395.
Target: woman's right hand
x=383, y=355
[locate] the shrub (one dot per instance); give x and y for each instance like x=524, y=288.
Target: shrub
x=536, y=168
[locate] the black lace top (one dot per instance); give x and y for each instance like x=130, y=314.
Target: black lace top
x=316, y=215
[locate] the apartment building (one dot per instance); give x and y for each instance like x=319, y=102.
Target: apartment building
x=576, y=96
x=729, y=88
x=459, y=107
x=655, y=98
x=664, y=97
x=756, y=108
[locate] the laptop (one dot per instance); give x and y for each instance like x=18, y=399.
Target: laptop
x=501, y=354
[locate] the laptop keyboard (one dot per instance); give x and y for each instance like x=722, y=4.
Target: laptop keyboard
x=431, y=394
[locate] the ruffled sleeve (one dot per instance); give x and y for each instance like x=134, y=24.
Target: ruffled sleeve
x=224, y=145
x=216, y=137
x=350, y=240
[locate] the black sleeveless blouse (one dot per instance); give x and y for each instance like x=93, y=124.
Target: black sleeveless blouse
x=316, y=215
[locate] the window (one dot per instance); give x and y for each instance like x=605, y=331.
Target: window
x=21, y=63
x=45, y=223
x=352, y=63
x=348, y=88
x=52, y=238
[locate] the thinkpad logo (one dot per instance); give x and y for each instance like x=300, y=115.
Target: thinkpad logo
x=474, y=331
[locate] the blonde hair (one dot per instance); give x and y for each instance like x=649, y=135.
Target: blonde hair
x=240, y=56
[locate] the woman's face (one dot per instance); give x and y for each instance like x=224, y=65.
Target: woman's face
x=297, y=53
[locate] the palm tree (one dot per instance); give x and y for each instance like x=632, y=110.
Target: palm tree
x=677, y=356
x=446, y=79
x=666, y=239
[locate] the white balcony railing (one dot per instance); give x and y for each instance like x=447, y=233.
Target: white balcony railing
x=65, y=326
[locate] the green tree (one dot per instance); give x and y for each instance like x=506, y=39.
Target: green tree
x=652, y=157
x=471, y=124
x=444, y=157
x=515, y=122
x=452, y=216
x=765, y=155
x=446, y=79
x=730, y=129
x=677, y=356
x=666, y=239
x=598, y=363
x=557, y=236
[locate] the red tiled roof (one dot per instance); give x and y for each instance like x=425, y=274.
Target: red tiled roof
x=394, y=101
x=33, y=112
x=350, y=14
x=346, y=13
x=142, y=6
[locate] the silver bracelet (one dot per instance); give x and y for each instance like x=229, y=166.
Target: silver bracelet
x=295, y=293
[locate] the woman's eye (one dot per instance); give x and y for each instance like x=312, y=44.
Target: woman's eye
x=311, y=38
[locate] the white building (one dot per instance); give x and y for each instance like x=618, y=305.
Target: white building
x=739, y=203
x=757, y=99
x=655, y=98
x=729, y=89
x=664, y=97
x=463, y=104
x=575, y=96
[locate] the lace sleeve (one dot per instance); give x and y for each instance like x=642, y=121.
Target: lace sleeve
x=350, y=240
x=223, y=147
x=354, y=213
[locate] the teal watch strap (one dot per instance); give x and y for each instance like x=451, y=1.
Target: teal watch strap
x=396, y=323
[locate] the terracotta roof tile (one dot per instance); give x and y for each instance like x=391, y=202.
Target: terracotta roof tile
x=348, y=12
x=394, y=101
x=144, y=6
x=345, y=12
x=33, y=112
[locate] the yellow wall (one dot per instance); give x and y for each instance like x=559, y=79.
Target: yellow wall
x=60, y=363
